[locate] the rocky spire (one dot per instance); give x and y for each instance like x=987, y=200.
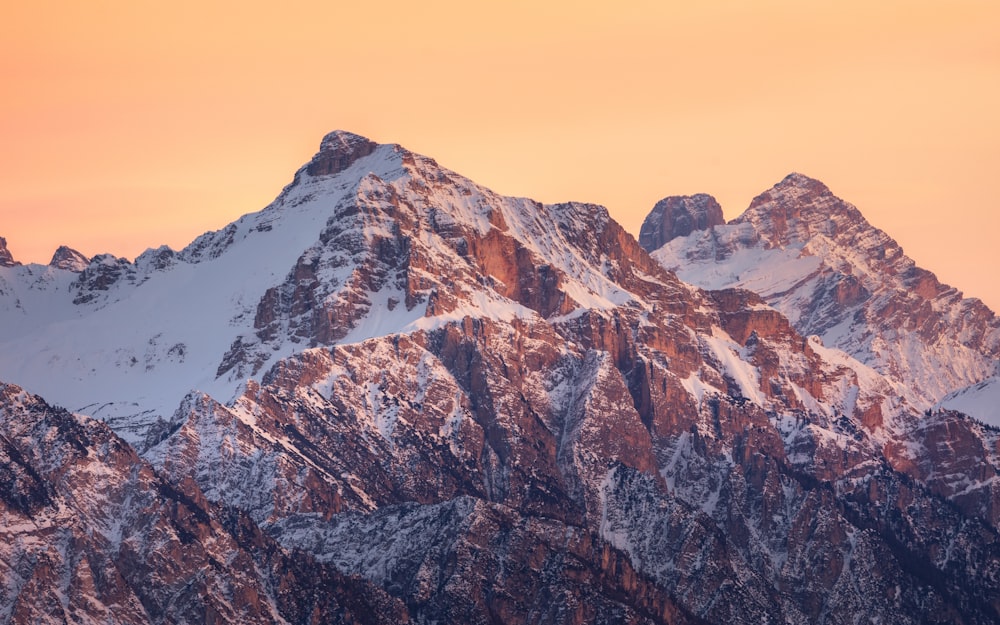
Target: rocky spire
x=338, y=150
x=679, y=216
x=6, y=260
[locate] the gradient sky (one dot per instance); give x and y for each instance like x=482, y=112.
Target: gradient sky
x=130, y=124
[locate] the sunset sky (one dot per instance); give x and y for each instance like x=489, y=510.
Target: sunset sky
x=127, y=125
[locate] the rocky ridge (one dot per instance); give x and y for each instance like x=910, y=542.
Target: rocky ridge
x=679, y=216
x=463, y=407
x=815, y=258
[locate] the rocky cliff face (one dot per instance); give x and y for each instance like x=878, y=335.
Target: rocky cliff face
x=816, y=259
x=679, y=216
x=421, y=400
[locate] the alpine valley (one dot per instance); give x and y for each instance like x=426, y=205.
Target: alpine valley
x=394, y=396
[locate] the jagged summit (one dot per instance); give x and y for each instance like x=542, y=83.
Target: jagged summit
x=679, y=216
x=796, y=198
x=6, y=259
x=816, y=258
x=69, y=259
x=799, y=180
x=337, y=151
x=796, y=209
x=339, y=138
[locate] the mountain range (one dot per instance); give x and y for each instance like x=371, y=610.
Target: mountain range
x=394, y=395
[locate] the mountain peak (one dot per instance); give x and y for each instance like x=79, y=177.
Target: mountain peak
x=795, y=190
x=6, y=260
x=679, y=216
x=797, y=180
x=815, y=258
x=341, y=138
x=798, y=207
x=69, y=259
x=338, y=150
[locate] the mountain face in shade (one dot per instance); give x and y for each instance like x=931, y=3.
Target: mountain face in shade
x=816, y=259
x=395, y=395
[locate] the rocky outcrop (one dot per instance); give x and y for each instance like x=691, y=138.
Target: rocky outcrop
x=6, y=260
x=679, y=216
x=337, y=152
x=102, y=273
x=69, y=259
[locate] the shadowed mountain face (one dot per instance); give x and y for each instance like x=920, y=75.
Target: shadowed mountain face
x=393, y=394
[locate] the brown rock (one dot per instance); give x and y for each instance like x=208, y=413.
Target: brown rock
x=679, y=216
x=337, y=152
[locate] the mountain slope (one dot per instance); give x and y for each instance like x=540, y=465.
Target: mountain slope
x=127, y=341
x=91, y=534
x=815, y=258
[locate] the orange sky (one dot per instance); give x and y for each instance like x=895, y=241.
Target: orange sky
x=128, y=124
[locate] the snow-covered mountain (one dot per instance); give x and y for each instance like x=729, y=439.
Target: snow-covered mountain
x=460, y=407
x=815, y=258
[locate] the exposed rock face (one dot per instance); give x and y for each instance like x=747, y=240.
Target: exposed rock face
x=426, y=401
x=679, y=216
x=816, y=259
x=91, y=534
x=69, y=259
x=102, y=273
x=6, y=260
x=955, y=458
x=337, y=151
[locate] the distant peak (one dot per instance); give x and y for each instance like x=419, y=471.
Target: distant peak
x=798, y=208
x=6, y=260
x=679, y=216
x=338, y=150
x=340, y=139
x=69, y=259
x=801, y=181
x=795, y=192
